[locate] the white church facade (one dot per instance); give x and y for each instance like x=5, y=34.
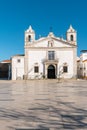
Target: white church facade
x=48, y=57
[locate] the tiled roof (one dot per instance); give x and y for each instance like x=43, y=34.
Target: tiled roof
x=85, y=60
x=6, y=61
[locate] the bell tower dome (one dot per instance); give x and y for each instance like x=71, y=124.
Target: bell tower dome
x=71, y=35
x=29, y=35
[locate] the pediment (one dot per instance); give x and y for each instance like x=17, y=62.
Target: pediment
x=51, y=42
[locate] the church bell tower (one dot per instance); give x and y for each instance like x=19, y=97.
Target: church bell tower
x=29, y=36
x=71, y=35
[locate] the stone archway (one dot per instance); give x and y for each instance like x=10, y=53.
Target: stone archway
x=51, y=72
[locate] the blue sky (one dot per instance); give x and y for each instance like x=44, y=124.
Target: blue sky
x=17, y=15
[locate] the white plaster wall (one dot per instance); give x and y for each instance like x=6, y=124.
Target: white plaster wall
x=44, y=43
x=83, y=65
x=35, y=58
x=17, y=68
x=84, y=69
x=60, y=44
x=65, y=57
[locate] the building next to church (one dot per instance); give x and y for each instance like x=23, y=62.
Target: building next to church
x=48, y=57
x=82, y=65
x=5, y=69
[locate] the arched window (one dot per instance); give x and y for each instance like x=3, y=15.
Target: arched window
x=71, y=38
x=29, y=38
x=50, y=43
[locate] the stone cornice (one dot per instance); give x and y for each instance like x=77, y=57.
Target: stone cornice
x=49, y=48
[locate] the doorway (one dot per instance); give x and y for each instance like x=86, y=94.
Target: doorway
x=51, y=72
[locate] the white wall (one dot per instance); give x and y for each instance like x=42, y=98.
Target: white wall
x=82, y=66
x=56, y=43
x=17, y=67
x=66, y=57
x=37, y=57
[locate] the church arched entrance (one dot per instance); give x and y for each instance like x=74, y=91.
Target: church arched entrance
x=51, y=72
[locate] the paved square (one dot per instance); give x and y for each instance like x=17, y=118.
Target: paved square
x=43, y=104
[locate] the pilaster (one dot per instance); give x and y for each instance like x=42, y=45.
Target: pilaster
x=26, y=64
x=75, y=62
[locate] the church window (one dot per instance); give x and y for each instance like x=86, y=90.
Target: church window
x=18, y=60
x=71, y=37
x=29, y=38
x=65, y=69
x=36, y=69
x=51, y=55
x=50, y=43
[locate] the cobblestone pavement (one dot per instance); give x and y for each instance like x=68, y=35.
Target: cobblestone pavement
x=43, y=105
